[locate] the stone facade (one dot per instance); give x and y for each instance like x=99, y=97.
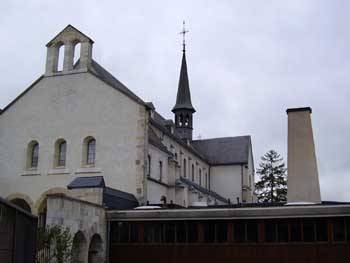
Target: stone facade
x=83, y=102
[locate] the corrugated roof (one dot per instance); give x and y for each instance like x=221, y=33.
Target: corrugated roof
x=228, y=150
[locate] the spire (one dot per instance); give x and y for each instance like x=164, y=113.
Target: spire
x=183, y=99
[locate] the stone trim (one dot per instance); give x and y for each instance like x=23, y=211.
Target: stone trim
x=157, y=181
x=69, y=198
x=87, y=170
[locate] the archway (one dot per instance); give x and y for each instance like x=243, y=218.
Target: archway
x=95, y=249
x=22, y=204
x=79, y=248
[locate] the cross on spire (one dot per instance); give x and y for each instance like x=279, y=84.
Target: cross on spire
x=183, y=32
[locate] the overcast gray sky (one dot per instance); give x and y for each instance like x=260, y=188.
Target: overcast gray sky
x=248, y=61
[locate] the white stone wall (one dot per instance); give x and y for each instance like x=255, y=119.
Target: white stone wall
x=226, y=180
x=72, y=107
x=155, y=191
x=183, y=153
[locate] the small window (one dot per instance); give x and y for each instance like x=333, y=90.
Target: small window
x=239, y=232
x=149, y=165
x=134, y=232
x=60, y=153
x=270, y=232
x=35, y=155
x=169, y=232
x=89, y=151
x=321, y=230
x=221, y=232
x=200, y=176
x=209, y=231
x=206, y=180
x=282, y=232
x=295, y=231
x=252, y=232
x=181, y=232
x=192, y=172
x=192, y=232
x=32, y=159
x=309, y=231
x=160, y=170
x=338, y=229
x=184, y=167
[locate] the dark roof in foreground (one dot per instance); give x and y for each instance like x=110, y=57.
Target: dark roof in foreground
x=227, y=150
x=112, y=198
x=87, y=182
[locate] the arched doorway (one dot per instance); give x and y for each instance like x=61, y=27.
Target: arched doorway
x=79, y=248
x=95, y=249
x=22, y=204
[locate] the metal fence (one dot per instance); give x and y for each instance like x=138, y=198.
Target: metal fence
x=18, y=230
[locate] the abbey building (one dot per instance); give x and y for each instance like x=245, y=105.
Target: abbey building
x=78, y=132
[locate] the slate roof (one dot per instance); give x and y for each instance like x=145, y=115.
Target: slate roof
x=112, y=198
x=183, y=98
x=87, y=182
x=156, y=141
x=107, y=77
x=202, y=189
x=227, y=150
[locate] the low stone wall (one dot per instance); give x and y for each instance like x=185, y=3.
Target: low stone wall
x=85, y=219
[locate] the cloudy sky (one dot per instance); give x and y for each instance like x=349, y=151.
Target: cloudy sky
x=248, y=61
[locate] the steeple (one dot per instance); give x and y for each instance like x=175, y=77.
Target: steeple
x=183, y=108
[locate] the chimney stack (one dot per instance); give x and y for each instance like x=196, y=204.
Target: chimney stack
x=303, y=184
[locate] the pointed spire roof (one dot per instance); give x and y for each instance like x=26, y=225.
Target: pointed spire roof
x=183, y=99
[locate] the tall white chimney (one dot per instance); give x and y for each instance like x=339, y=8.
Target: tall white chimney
x=303, y=184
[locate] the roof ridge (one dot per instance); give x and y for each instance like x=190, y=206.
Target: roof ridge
x=227, y=137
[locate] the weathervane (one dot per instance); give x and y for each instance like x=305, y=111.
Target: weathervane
x=183, y=32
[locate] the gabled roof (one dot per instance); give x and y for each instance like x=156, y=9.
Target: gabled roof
x=183, y=98
x=87, y=182
x=101, y=73
x=69, y=28
x=224, y=151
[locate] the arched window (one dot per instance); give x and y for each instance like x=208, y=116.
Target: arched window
x=89, y=151
x=200, y=176
x=77, y=47
x=192, y=172
x=184, y=175
x=60, y=153
x=32, y=155
x=60, y=57
x=160, y=170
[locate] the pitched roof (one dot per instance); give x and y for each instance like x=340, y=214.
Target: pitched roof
x=183, y=98
x=71, y=29
x=112, y=198
x=116, y=199
x=227, y=150
x=156, y=141
x=202, y=189
x=87, y=182
x=97, y=70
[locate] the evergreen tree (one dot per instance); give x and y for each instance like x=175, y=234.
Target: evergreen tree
x=272, y=184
